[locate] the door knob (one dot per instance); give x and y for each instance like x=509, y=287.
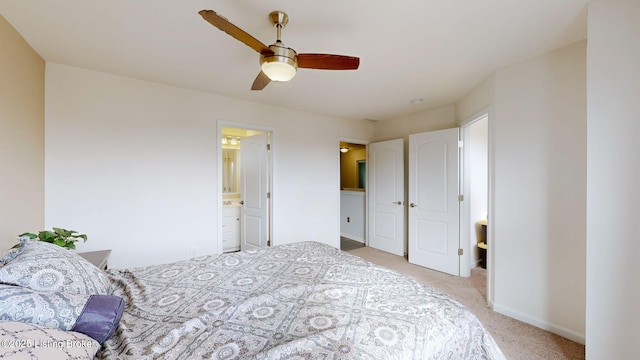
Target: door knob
x=413, y=205
x=398, y=202
x=241, y=202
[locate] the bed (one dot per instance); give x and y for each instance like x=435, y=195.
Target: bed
x=297, y=301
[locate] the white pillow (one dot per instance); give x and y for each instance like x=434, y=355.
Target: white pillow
x=42, y=266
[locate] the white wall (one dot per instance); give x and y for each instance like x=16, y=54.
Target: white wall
x=133, y=164
x=479, y=99
x=537, y=132
x=352, y=215
x=21, y=137
x=540, y=185
x=613, y=194
x=434, y=119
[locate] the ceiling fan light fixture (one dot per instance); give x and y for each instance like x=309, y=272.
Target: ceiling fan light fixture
x=278, y=71
x=282, y=65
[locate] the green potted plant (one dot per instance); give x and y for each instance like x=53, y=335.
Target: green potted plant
x=61, y=237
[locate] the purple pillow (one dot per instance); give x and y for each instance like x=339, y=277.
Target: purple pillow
x=100, y=317
x=50, y=309
x=96, y=316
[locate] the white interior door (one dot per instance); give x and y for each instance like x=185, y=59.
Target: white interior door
x=254, y=184
x=434, y=215
x=385, y=188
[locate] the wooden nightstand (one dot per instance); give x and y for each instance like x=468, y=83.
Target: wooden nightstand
x=98, y=258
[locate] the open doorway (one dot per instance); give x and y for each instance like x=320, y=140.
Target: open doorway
x=245, y=178
x=474, y=225
x=353, y=184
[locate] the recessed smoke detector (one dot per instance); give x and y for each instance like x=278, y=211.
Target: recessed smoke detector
x=416, y=101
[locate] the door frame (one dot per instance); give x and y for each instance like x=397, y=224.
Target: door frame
x=272, y=161
x=366, y=188
x=465, y=221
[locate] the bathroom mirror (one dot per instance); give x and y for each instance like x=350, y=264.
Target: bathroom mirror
x=230, y=171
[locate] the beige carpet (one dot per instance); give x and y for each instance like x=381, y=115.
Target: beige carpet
x=516, y=339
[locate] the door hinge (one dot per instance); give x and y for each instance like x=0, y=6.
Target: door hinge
x=268, y=147
x=461, y=197
x=269, y=195
x=460, y=143
x=268, y=242
x=460, y=252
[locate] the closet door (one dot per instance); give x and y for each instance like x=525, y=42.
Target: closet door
x=434, y=209
x=385, y=189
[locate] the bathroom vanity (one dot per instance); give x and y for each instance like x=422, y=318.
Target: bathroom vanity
x=230, y=226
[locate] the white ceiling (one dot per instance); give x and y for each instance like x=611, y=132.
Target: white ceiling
x=436, y=50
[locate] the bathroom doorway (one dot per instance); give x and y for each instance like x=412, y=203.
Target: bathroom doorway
x=475, y=172
x=353, y=185
x=245, y=178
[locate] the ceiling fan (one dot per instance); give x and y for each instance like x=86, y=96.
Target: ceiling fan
x=278, y=62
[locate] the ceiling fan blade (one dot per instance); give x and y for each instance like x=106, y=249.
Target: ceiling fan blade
x=224, y=25
x=260, y=82
x=328, y=62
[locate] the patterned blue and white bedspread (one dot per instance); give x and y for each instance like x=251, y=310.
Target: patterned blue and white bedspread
x=297, y=301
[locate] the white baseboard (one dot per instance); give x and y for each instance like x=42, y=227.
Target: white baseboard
x=558, y=330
